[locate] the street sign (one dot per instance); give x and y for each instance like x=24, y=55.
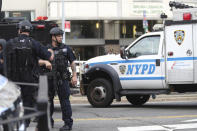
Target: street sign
x=67, y=26
x=145, y=22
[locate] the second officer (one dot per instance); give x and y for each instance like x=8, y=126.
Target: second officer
x=61, y=77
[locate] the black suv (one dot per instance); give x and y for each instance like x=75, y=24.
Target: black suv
x=40, y=31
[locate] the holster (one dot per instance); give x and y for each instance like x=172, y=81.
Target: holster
x=66, y=75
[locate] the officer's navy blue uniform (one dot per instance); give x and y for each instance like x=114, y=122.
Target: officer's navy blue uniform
x=62, y=88
x=1, y=64
x=39, y=50
x=28, y=92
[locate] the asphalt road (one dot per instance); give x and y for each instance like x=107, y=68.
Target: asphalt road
x=177, y=112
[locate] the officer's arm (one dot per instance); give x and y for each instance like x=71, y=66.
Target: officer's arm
x=52, y=54
x=74, y=74
x=42, y=51
x=46, y=63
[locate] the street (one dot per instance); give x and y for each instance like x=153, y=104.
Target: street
x=163, y=115
x=136, y=58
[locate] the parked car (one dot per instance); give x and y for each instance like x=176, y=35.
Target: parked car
x=10, y=106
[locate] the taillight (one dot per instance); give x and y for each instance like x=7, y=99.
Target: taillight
x=45, y=17
x=187, y=16
x=40, y=26
x=86, y=66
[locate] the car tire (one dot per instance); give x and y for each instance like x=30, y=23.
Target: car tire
x=100, y=93
x=138, y=100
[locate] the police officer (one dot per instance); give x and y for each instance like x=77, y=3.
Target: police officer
x=22, y=55
x=63, y=55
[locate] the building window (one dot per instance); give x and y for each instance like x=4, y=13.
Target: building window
x=101, y=50
x=28, y=15
x=85, y=29
x=133, y=28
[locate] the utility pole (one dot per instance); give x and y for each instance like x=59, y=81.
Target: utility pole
x=63, y=23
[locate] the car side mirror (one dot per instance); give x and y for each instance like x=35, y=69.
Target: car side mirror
x=123, y=53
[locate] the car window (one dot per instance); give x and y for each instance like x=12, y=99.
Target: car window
x=145, y=46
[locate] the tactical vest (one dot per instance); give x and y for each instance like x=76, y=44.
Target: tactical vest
x=20, y=61
x=60, y=62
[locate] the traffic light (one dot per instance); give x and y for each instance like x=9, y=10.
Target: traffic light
x=134, y=31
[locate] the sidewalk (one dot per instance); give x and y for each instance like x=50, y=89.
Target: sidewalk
x=78, y=99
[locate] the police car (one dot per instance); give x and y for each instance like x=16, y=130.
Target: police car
x=11, y=106
x=155, y=63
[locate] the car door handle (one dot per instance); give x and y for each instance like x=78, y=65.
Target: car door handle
x=157, y=62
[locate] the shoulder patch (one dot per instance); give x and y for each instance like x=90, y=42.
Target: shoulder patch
x=64, y=50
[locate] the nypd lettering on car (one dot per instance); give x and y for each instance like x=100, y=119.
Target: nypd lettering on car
x=140, y=69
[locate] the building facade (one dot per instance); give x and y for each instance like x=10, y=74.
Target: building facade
x=96, y=27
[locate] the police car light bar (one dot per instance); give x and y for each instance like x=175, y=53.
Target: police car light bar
x=187, y=16
x=178, y=5
x=41, y=18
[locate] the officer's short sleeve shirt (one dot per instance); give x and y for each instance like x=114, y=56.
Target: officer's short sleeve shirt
x=41, y=51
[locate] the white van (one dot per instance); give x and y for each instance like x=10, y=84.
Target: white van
x=155, y=63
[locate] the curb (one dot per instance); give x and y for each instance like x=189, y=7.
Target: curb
x=78, y=99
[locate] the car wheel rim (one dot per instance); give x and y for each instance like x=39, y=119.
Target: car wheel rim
x=99, y=93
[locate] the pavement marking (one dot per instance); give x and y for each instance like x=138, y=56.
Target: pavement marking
x=142, y=128
x=192, y=120
x=159, y=127
x=128, y=118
